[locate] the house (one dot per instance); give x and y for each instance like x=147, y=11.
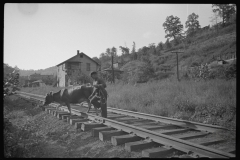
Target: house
x=75, y=70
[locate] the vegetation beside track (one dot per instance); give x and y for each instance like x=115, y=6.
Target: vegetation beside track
x=31, y=133
x=211, y=102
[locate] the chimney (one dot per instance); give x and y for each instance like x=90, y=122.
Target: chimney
x=77, y=52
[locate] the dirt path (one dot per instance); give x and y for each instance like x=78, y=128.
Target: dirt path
x=48, y=137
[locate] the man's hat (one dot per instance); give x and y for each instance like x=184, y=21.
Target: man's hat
x=94, y=72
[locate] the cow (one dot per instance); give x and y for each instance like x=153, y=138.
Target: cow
x=73, y=95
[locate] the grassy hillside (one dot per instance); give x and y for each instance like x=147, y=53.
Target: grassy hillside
x=203, y=47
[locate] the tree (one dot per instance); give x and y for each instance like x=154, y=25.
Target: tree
x=152, y=49
x=214, y=19
x=114, y=51
x=225, y=11
x=108, y=52
x=176, y=42
x=192, y=24
x=97, y=60
x=168, y=44
x=125, y=50
x=172, y=27
x=160, y=46
x=11, y=80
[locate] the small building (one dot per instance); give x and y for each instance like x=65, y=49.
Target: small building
x=38, y=83
x=75, y=70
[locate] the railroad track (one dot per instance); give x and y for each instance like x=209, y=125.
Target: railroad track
x=155, y=136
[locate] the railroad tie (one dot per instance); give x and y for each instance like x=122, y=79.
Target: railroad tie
x=159, y=152
x=61, y=114
x=228, y=149
x=127, y=119
x=48, y=108
x=95, y=131
x=77, y=122
x=118, y=140
x=106, y=135
x=88, y=126
x=211, y=142
x=175, y=131
x=192, y=135
x=147, y=123
x=58, y=112
x=140, y=145
x=153, y=127
x=73, y=117
x=115, y=117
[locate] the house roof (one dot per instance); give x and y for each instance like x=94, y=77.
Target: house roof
x=76, y=61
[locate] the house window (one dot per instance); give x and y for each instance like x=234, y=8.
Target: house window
x=88, y=66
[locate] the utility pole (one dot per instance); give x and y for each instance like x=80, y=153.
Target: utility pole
x=112, y=70
x=177, y=62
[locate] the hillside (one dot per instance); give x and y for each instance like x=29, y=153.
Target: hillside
x=47, y=71
x=204, y=47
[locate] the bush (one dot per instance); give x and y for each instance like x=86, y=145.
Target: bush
x=137, y=71
x=226, y=71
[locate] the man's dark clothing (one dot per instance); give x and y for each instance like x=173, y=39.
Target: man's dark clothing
x=99, y=95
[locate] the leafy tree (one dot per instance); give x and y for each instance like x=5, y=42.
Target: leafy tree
x=168, y=44
x=11, y=80
x=160, y=46
x=215, y=18
x=176, y=41
x=192, y=24
x=97, y=60
x=152, y=49
x=114, y=51
x=108, y=52
x=172, y=27
x=125, y=50
x=225, y=11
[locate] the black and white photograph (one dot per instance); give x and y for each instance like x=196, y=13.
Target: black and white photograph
x=119, y=80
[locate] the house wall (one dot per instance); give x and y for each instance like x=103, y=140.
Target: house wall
x=61, y=75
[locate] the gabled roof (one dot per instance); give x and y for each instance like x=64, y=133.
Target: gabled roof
x=78, y=55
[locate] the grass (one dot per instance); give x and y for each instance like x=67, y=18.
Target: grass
x=212, y=102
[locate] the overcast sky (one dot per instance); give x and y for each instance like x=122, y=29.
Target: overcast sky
x=38, y=36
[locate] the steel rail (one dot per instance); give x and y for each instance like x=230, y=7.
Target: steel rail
x=179, y=122
x=182, y=145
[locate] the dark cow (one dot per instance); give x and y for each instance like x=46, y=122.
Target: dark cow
x=72, y=95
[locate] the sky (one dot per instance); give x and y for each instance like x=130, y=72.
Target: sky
x=42, y=35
